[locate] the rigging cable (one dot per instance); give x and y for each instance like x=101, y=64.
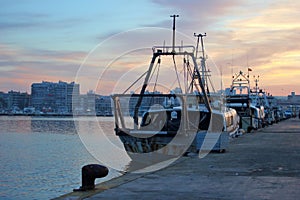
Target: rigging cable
x=153, y=71
x=180, y=73
x=193, y=75
x=135, y=81
x=176, y=72
x=157, y=66
x=156, y=78
x=185, y=75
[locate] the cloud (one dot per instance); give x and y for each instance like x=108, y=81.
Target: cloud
x=12, y=21
x=114, y=57
x=265, y=40
x=21, y=67
x=196, y=8
x=239, y=33
x=36, y=21
x=195, y=14
x=262, y=35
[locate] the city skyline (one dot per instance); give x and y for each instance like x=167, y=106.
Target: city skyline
x=50, y=40
x=97, y=93
x=54, y=98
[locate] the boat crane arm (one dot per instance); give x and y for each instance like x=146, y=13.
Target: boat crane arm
x=206, y=101
x=146, y=81
x=139, y=101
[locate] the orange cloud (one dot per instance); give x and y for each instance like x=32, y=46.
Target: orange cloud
x=265, y=39
x=20, y=68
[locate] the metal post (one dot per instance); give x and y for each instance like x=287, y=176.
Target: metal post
x=173, y=44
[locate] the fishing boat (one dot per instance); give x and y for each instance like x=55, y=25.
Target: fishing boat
x=155, y=126
x=246, y=103
x=260, y=99
x=277, y=109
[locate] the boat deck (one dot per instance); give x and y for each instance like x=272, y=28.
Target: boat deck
x=263, y=164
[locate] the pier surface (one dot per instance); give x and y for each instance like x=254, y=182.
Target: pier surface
x=264, y=164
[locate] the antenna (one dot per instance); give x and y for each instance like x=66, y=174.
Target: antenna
x=173, y=44
x=232, y=63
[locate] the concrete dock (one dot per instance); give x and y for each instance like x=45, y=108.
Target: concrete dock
x=264, y=164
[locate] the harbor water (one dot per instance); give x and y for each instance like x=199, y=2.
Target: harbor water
x=41, y=157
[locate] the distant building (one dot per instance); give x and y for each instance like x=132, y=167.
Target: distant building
x=13, y=101
x=103, y=105
x=3, y=101
x=85, y=104
x=18, y=100
x=93, y=104
x=54, y=97
x=293, y=98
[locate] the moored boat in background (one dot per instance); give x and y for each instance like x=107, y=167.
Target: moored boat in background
x=240, y=99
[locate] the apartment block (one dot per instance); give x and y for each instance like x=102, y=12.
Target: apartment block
x=54, y=97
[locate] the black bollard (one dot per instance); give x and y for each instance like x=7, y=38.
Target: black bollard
x=89, y=173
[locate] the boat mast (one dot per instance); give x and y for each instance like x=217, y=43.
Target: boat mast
x=203, y=66
x=173, y=43
x=256, y=85
x=155, y=55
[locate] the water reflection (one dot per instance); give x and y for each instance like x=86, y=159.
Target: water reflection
x=15, y=124
x=41, y=157
x=27, y=124
x=56, y=125
x=99, y=139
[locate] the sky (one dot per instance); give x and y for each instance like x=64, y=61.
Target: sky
x=93, y=42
